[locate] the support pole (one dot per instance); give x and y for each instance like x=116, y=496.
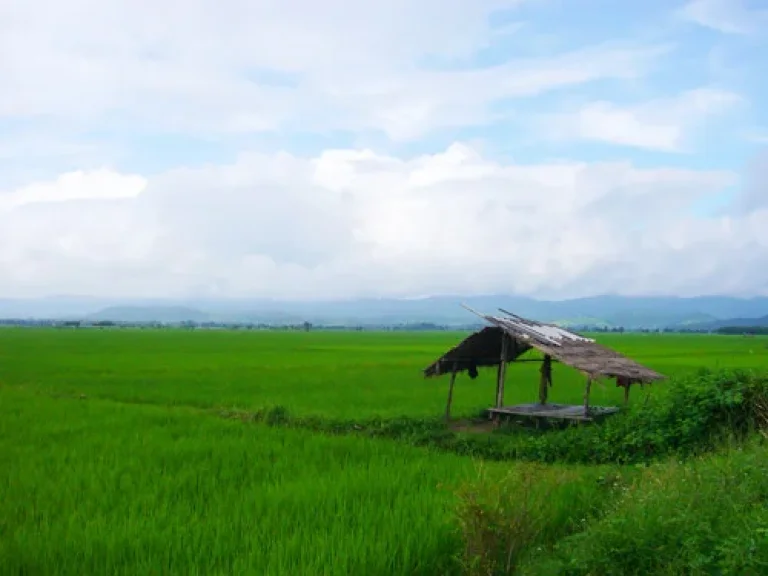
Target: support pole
x=624, y=382
x=499, y=376
x=586, y=396
x=546, y=379
x=450, y=393
x=502, y=370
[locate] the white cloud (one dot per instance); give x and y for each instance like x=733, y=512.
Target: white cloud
x=351, y=222
x=97, y=185
x=726, y=16
x=663, y=124
x=190, y=67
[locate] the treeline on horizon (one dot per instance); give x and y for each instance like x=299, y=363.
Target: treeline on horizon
x=405, y=327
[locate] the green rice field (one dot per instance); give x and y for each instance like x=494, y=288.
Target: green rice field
x=114, y=458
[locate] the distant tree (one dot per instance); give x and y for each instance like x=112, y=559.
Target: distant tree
x=743, y=330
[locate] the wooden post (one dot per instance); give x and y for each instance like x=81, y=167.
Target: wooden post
x=627, y=384
x=546, y=379
x=450, y=393
x=499, y=377
x=586, y=396
x=502, y=371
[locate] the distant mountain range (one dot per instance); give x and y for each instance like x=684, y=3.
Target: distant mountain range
x=761, y=322
x=707, y=312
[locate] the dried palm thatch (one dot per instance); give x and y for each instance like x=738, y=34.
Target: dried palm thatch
x=484, y=348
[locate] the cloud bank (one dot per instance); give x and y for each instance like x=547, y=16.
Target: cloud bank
x=352, y=223
x=337, y=149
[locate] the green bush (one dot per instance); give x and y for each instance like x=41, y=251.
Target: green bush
x=697, y=412
x=704, y=516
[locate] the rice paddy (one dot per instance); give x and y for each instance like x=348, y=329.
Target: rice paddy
x=113, y=459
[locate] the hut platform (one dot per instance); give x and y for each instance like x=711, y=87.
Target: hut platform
x=556, y=411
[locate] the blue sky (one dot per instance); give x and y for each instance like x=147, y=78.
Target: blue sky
x=338, y=126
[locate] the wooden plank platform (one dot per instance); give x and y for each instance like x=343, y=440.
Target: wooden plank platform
x=559, y=411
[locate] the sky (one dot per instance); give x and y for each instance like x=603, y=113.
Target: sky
x=316, y=149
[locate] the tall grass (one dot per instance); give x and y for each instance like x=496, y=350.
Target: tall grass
x=504, y=519
x=94, y=487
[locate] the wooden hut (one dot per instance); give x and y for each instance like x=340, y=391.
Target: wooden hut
x=508, y=337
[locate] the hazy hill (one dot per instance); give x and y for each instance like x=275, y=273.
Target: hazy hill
x=733, y=323
x=149, y=314
x=610, y=311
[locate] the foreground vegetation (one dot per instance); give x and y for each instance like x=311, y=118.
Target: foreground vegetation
x=94, y=487
x=708, y=515
x=238, y=453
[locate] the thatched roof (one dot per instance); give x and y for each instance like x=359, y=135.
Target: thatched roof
x=483, y=348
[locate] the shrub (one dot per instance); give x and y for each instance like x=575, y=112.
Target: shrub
x=695, y=414
x=704, y=516
x=502, y=519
